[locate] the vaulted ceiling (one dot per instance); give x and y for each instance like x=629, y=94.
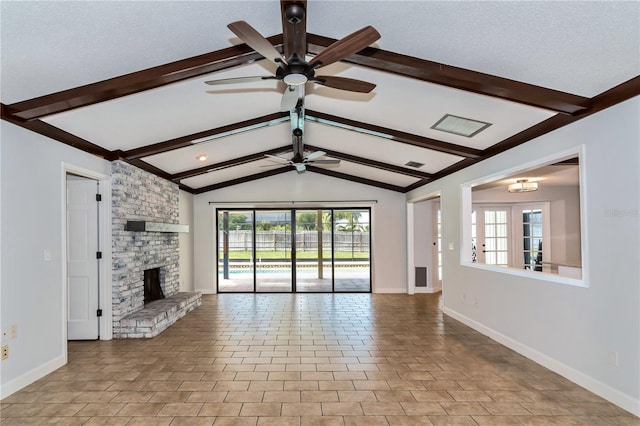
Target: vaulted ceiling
x=125, y=80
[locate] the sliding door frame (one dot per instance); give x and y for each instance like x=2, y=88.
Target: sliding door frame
x=293, y=246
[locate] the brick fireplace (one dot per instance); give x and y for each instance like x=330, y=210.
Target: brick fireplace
x=141, y=196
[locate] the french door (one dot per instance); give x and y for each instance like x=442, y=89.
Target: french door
x=517, y=235
x=293, y=250
x=490, y=235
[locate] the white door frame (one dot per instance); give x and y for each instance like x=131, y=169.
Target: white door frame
x=411, y=272
x=104, y=230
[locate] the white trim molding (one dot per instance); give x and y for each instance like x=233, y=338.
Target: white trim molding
x=612, y=395
x=31, y=376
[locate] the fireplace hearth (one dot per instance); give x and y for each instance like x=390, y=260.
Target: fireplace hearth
x=152, y=286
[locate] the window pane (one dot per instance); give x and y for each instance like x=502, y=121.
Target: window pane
x=502, y=258
x=501, y=216
x=501, y=230
x=490, y=217
x=502, y=244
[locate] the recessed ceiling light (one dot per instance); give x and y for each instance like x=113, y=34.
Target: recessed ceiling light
x=460, y=125
x=202, y=157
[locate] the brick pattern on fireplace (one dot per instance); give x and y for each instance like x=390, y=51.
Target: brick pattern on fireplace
x=139, y=195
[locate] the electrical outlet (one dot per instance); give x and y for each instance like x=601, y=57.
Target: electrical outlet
x=13, y=333
x=476, y=301
x=613, y=359
x=5, y=352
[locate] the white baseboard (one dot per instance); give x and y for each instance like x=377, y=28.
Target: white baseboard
x=389, y=290
x=603, y=390
x=428, y=289
x=31, y=376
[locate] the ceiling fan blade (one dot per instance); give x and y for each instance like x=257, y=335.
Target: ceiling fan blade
x=314, y=155
x=235, y=80
x=277, y=159
x=344, y=83
x=346, y=46
x=290, y=98
x=328, y=161
x=256, y=41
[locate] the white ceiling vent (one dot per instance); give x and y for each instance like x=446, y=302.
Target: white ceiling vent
x=460, y=125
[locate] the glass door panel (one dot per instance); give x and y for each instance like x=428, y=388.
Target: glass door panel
x=532, y=225
x=235, y=251
x=495, y=247
x=314, y=262
x=352, y=250
x=273, y=251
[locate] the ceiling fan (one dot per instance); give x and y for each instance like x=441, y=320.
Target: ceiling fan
x=293, y=69
x=299, y=160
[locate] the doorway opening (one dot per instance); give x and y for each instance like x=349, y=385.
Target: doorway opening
x=424, y=250
x=293, y=250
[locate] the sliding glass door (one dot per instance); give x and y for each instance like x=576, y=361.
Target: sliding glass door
x=294, y=250
x=273, y=251
x=352, y=252
x=235, y=250
x=314, y=258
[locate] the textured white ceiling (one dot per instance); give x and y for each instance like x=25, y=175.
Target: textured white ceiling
x=582, y=47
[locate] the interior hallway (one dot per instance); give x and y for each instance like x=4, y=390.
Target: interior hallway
x=307, y=359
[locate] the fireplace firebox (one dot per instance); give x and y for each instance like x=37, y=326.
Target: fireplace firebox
x=152, y=287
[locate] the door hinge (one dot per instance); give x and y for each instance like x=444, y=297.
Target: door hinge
x=98, y=255
x=99, y=312
x=98, y=197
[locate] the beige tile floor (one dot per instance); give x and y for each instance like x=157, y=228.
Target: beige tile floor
x=307, y=359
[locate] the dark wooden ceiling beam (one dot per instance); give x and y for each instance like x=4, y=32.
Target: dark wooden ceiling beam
x=357, y=179
x=613, y=96
x=622, y=92
x=46, y=129
x=394, y=135
x=459, y=78
x=243, y=179
x=372, y=163
x=136, y=82
x=229, y=163
x=183, y=141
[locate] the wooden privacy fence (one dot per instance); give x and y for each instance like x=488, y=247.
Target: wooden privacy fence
x=242, y=240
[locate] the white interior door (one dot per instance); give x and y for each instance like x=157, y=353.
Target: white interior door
x=82, y=262
x=490, y=229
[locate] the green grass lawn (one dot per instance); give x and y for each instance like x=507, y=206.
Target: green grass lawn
x=243, y=255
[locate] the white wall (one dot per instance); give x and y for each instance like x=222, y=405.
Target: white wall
x=33, y=289
x=185, y=241
x=568, y=328
x=388, y=226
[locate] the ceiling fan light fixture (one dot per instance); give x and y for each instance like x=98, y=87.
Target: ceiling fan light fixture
x=202, y=157
x=295, y=79
x=460, y=125
x=523, y=185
